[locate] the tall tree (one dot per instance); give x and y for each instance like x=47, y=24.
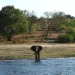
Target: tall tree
x=31, y=17
x=59, y=20
x=12, y=21
x=45, y=23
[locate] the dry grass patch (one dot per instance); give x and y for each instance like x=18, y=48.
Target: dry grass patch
x=58, y=52
x=25, y=52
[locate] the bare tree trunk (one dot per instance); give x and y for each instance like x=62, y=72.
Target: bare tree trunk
x=46, y=35
x=29, y=29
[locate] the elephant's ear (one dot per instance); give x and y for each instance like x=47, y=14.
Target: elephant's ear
x=40, y=48
x=33, y=48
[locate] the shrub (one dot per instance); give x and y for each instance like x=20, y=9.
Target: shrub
x=71, y=31
x=68, y=37
x=61, y=39
x=65, y=38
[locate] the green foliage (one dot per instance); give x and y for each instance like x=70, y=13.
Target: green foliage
x=70, y=31
x=72, y=23
x=12, y=21
x=31, y=21
x=65, y=38
x=68, y=37
x=34, y=27
x=59, y=20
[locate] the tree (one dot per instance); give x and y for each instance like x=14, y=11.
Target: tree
x=72, y=23
x=31, y=17
x=56, y=21
x=45, y=24
x=70, y=17
x=59, y=20
x=12, y=21
x=32, y=21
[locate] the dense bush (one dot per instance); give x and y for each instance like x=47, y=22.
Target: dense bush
x=71, y=31
x=67, y=38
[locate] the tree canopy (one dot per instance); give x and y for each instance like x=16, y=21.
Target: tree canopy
x=12, y=21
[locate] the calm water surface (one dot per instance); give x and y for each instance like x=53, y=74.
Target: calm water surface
x=52, y=66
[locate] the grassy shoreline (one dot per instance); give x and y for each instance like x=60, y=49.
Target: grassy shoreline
x=9, y=52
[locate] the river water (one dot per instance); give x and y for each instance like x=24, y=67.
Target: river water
x=52, y=66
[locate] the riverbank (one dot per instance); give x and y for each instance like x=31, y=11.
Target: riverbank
x=23, y=51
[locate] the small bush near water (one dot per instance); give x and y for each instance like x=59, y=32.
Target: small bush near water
x=67, y=38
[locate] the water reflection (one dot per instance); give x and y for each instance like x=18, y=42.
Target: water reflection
x=52, y=66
